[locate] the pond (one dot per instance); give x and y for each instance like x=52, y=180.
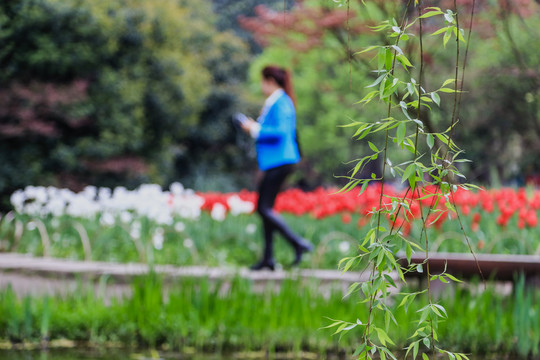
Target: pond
x=97, y=354
x=60, y=355
x=119, y=354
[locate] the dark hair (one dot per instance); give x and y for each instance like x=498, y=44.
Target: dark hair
x=282, y=77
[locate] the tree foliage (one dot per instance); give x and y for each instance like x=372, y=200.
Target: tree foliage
x=229, y=11
x=113, y=92
x=503, y=100
x=501, y=126
x=312, y=39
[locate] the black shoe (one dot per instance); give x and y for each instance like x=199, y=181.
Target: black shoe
x=264, y=264
x=300, y=249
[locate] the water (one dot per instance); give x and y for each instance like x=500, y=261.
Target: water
x=61, y=355
x=108, y=354
x=97, y=354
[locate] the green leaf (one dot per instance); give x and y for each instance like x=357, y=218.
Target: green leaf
x=366, y=99
x=361, y=128
x=340, y=328
x=424, y=313
x=390, y=280
x=410, y=88
x=372, y=146
x=451, y=277
x=404, y=61
x=440, y=308
x=366, y=289
x=431, y=13
x=409, y=171
x=460, y=36
x=377, y=81
x=364, y=133
x=397, y=49
x=449, y=17
x=403, y=106
x=382, y=87
x=388, y=88
x=447, y=36
x=404, y=300
x=400, y=134
x=446, y=140
x=440, y=31
x=411, y=346
x=381, y=58
x=446, y=90
x=415, y=350
x=436, y=98
x=450, y=355
x=364, y=187
x=389, y=59
x=359, y=349
x=352, y=288
x=449, y=81
x=419, y=268
x=408, y=252
x=430, y=140
x=383, y=337
x=335, y=323
x=348, y=265
x=367, y=49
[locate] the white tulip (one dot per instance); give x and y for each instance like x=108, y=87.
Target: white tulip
x=219, y=211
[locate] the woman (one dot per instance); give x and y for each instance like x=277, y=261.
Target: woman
x=277, y=152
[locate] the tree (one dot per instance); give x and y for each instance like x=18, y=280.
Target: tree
x=317, y=41
x=107, y=93
x=321, y=43
x=228, y=12
x=503, y=127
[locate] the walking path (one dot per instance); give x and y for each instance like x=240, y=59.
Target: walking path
x=39, y=275
x=43, y=275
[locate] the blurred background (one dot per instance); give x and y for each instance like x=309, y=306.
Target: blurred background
x=131, y=92
x=139, y=95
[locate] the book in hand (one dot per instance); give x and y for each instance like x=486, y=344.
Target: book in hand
x=239, y=119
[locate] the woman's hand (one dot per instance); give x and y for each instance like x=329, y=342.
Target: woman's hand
x=248, y=125
x=251, y=127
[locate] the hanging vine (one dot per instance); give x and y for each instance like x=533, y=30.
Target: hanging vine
x=431, y=176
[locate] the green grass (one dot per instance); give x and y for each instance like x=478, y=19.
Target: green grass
x=231, y=243
x=201, y=242
x=230, y=316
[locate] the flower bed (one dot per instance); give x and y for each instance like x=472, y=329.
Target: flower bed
x=182, y=226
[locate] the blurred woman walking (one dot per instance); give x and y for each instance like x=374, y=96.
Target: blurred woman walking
x=277, y=153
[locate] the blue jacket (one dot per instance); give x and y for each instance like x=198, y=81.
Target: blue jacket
x=276, y=144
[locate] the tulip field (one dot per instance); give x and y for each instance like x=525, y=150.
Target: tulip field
x=184, y=227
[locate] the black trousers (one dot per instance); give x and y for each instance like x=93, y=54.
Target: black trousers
x=269, y=187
